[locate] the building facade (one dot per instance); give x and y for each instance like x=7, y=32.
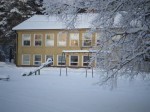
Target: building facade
x=39, y=39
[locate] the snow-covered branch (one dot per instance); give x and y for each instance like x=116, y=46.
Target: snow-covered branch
x=124, y=27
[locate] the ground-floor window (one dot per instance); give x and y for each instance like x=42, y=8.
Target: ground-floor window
x=74, y=60
x=86, y=60
x=99, y=61
x=49, y=56
x=61, y=60
x=37, y=59
x=26, y=59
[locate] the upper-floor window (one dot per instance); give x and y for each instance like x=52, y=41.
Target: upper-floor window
x=37, y=40
x=86, y=40
x=26, y=39
x=26, y=59
x=74, y=39
x=49, y=41
x=62, y=39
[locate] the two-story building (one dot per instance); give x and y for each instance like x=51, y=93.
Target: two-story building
x=41, y=37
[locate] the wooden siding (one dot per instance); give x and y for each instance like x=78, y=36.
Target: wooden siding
x=49, y=50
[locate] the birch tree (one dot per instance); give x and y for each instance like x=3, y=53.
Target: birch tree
x=124, y=33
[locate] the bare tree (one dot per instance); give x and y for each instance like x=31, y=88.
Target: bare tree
x=124, y=29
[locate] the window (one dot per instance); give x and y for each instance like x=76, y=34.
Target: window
x=49, y=56
x=74, y=60
x=86, y=40
x=61, y=39
x=38, y=40
x=37, y=59
x=26, y=40
x=49, y=41
x=74, y=39
x=86, y=60
x=61, y=60
x=97, y=39
x=26, y=59
x=100, y=60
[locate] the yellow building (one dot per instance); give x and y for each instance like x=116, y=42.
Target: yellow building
x=41, y=37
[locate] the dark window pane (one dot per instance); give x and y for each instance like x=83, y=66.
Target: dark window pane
x=74, y=64
x=74, y=58
x=85, y=64
x=27, y=42
x=85, y=58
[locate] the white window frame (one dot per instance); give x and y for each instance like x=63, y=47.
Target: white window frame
x=51, y=41
x=73, y=62
x=61, y=43
x=37, y=61
x=83, y=39
x=27, y=61
x=52, y=58
x=40, y=39
x=75, y=35
x=60, y=61
x=24, y=38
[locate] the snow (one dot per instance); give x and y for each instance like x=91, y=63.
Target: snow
x=53, y=22
x=49, y=61
x=3, y=22
x=1, y=13
x=50, y=92
x=4, y=77
x=23, y=0
x=15, y=10
x=117, y=20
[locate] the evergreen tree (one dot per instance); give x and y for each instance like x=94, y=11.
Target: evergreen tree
x=13, y=12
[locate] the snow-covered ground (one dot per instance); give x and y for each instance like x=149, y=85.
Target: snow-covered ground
x=49, y=92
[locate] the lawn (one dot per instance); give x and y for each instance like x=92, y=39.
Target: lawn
x=50, y=92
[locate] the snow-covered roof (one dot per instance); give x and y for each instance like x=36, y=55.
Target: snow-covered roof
x=53, y=22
